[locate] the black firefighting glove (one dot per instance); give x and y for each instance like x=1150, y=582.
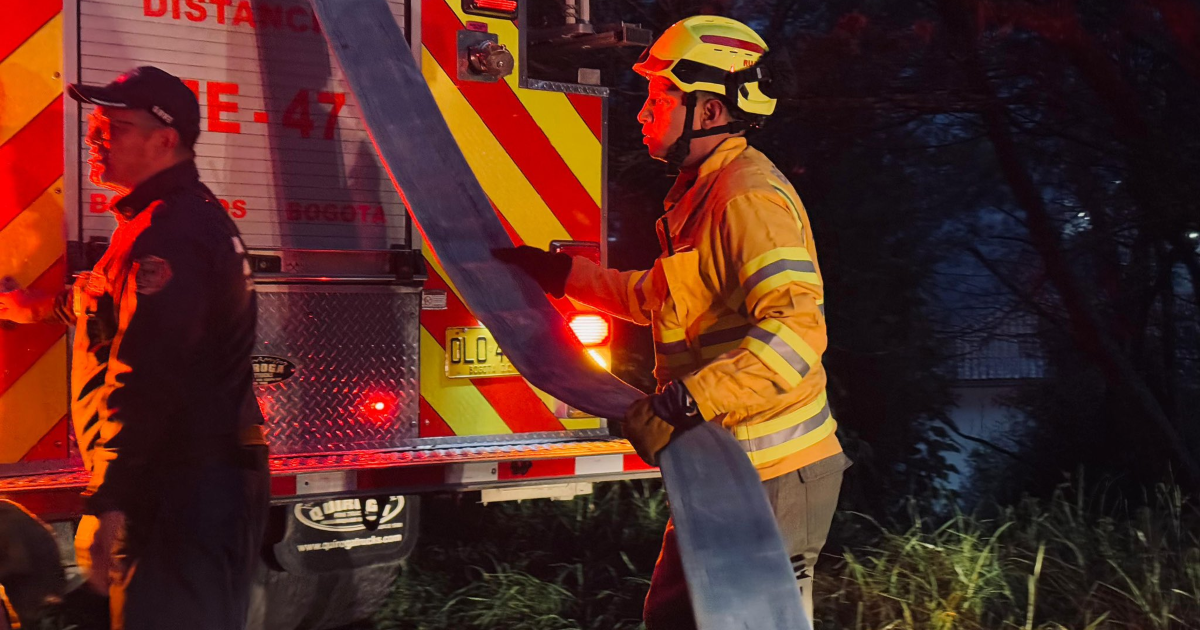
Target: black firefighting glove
x=549, y=270
x=650, y=422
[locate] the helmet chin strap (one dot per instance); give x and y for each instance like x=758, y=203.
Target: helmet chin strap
x=678, y=153
x=682, y=147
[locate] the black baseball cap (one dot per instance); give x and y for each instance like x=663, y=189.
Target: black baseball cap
x=152, y=90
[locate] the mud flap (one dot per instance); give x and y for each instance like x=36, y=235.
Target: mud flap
x=733, y=556
x=331, y=562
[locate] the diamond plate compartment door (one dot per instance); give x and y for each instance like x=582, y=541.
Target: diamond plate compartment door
x=336, y=367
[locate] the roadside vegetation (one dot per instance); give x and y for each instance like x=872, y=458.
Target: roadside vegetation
x=533, y=565
x=1082, y=559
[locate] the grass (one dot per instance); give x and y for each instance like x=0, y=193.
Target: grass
x=1074, y=561
x=1083, y=559
x=534, y=565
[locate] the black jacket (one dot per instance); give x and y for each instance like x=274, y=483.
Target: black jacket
x=165, y=326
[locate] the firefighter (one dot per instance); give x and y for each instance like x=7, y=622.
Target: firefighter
x=735, y=301
x=162, y=391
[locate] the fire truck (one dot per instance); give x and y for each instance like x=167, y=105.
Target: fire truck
x=376, y=381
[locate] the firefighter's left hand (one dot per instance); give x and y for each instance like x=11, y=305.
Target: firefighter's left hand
x=95, y=542
x=646, y=431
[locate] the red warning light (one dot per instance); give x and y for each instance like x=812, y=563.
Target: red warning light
x=380, y=407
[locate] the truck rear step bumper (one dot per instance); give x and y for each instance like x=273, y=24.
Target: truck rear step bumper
x=56, y=495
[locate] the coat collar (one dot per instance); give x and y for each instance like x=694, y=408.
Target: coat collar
x=702, y=176
x=156, y=187
x=694, y=184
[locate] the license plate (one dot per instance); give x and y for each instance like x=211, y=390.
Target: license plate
x=473, y=353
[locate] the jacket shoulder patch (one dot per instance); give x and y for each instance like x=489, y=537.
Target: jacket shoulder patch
x=153, y=275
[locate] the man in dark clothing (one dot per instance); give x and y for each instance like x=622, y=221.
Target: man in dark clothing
x=163, y=400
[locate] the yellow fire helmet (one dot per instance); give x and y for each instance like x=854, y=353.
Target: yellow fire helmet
x=710, y=53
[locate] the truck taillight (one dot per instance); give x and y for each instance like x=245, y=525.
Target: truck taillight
x=591, y=329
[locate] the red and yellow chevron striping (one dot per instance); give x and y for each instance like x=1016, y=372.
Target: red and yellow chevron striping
x=33, y=359
x=591, y=110
x=529, y=145
x=538, y=156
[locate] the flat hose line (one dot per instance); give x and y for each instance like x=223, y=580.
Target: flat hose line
x=738, y=573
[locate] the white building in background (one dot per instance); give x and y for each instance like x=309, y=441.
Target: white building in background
x=988, y=369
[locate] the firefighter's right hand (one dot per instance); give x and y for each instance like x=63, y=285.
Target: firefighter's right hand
x=650, y=422
x=24, y=307
x=646, y=432
x=549, y=270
